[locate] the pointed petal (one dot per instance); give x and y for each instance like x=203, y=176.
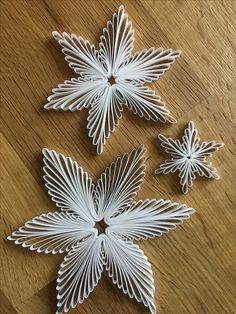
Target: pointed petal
x=206, y=149
x=75, y=94
x=116, y=42
x=204, y=169
x=148, y=65
x=144, y=102
x=79, y=274
x=130, y=270
x=104, y=116
x=52, y=233
x=69, y=185
x=170, y=165
x=186, y=175
x=190, y=139
x=120, y=183
x=81, y=55
x=148, y=218
x=173, y=147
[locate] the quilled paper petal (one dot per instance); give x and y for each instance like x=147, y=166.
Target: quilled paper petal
x=145, y=103
x=52, y=233
x=69, y=186
x=130, y=270
x=119, y=183
x=104, y=116
x=148, y=218
x=148, y=65
x=75, y=94
x=79, y=273
x=116, y=42
x=82, y=56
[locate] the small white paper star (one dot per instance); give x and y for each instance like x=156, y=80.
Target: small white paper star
x=188, y=157
x=111, y=78
x=74, y=229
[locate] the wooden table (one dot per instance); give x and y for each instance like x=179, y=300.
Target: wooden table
x=194, y=266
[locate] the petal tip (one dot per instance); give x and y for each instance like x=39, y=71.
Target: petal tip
x=161, y=137
x=47, y=106
x=45, y=150
x=158, y=171
x=10, y=238
x=179, y=52
x=171, y=120
x=56, y=35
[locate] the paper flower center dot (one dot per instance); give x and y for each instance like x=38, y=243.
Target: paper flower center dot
x=101, y=226
x=111, y=80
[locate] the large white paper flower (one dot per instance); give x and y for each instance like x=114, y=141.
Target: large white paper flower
x=188, y=157
x=111, y=78
x=74, y=228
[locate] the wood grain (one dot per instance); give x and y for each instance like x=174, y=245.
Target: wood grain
x=194, y=266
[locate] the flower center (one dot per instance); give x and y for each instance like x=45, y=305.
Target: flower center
x=101, y=226
x=189, y=157
x=111, y=80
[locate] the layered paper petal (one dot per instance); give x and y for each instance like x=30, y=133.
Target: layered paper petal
x=81, y=55
x=147, y=65
x=130, y=270
x=170, y=165
x=206, y=149
x=119, y=183
x=69, y=186
x=187, y=175
x=52, y=233
x=104, y=116
x=190, y=140
x=75, y=94
x=116, y=42
x=148, y=218
x=79, y=273
x=204, y=169
x=173, y=147
x=144, y=102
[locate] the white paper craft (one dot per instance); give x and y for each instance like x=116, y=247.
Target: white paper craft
x=188, y=157
x=110, y=78
x=73, y=229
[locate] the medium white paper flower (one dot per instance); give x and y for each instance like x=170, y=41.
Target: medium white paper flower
x=111, y=78
x=188, y=157
x=74, y=228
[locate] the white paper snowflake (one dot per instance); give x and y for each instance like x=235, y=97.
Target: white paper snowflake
x=189, y=157
x=111, y=78
x=75, y=230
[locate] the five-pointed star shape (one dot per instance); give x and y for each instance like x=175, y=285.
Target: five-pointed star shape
x=111, y=78
x=73, y=229
x=188, y=157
